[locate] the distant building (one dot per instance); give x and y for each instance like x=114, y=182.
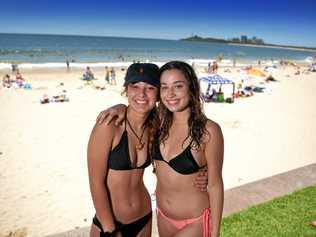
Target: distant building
x=235, y=40
x=244, y=39
x=253, y=40
x=259, y=41
x=256, y=40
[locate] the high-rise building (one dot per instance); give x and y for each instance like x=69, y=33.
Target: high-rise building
x=244, y=39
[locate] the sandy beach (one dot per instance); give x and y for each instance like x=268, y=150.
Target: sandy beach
x=44, y=182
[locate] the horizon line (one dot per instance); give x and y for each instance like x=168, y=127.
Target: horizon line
x=129, y=37
x=82, y=35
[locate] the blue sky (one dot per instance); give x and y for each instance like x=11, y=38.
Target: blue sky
x=278, y=21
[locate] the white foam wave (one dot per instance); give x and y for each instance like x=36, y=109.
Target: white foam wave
x=72, y=65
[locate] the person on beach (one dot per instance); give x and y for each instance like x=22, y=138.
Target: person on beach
x=88, y=75
x=67, y=64
x=298, y=71
x=113, y=76
x=187, y=141
x=209, y=68
x=6, y=81
x=107, y=74
x=117, y=157
x=19, y=80
x=14, y=67
x=214, y=67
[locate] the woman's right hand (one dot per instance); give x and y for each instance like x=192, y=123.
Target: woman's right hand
x=116, y=112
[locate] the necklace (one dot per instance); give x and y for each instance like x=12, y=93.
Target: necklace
x=140, y=144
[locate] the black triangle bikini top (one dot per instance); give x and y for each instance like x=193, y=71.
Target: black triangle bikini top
x=119, y=157
x=184, y=163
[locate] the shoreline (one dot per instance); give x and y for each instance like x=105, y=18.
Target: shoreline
x=226, y=62
x=274, y=47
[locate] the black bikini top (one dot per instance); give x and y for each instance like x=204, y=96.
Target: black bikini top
x=184, y=163
x=119, y=158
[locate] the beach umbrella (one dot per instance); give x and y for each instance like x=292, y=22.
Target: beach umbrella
x=256, y=72
x=217, y=80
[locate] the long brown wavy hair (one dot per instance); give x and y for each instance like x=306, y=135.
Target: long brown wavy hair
x=197, y=120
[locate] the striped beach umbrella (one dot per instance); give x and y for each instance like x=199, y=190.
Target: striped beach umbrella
x=216, y=79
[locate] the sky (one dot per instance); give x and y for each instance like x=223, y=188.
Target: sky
x=278, y=21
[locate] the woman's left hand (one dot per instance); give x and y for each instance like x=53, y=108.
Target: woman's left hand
x=201, y=180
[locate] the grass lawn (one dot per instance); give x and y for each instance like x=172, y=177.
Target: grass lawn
x=287, y=216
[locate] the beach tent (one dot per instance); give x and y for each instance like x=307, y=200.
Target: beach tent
x=218, y=80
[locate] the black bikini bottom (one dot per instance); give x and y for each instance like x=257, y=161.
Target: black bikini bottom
x=128, y=230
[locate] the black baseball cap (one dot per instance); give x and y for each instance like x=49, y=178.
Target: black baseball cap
x=142, y=72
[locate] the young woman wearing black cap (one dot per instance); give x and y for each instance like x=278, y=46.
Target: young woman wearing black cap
x=117, y=157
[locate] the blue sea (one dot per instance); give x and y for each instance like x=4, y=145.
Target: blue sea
x=32, y=48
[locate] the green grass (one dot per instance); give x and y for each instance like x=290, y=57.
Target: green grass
x=288, y=216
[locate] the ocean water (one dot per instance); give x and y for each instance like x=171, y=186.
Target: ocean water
x=39, y=49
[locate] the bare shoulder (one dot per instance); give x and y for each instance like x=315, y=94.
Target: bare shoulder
x=212, y=127
x=214, y=130
x=214, y=145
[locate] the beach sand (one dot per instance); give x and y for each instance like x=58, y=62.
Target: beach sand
x=43, y=180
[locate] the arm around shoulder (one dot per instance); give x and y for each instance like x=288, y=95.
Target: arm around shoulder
x=116, y=113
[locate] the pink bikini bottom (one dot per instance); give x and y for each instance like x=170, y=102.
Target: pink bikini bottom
x=180, y=224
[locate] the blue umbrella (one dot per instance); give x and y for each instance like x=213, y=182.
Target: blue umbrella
x=216, y=79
